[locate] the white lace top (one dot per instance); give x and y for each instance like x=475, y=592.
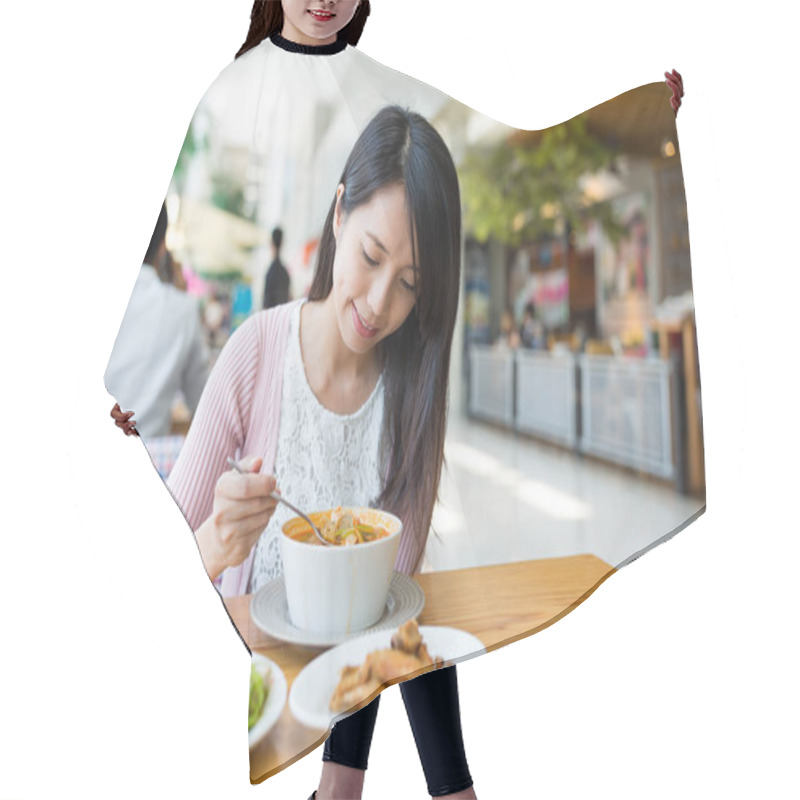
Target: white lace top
x=323, y=459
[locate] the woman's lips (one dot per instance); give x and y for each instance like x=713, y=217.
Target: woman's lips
x=362, y=329
x=322, y=16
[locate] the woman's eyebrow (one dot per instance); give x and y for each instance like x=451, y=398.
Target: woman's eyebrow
x=380, y=246
x=378, y=242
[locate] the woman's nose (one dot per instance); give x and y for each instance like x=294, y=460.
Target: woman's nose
x=379, y=296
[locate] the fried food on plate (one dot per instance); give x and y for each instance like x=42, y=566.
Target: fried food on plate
x=407, y=654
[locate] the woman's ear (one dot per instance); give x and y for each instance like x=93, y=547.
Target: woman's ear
x=338, y=212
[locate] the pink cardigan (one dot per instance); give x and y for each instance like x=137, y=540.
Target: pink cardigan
x=238, y=415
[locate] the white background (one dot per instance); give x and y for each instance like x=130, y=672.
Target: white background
x=120, y=676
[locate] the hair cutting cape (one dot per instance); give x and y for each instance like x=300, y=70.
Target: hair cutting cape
x=574, y=438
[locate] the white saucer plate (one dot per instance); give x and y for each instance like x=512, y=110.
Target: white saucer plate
x=312, y=689
x=276, y=699
x=270, y=613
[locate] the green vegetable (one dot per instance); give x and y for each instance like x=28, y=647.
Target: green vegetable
x=367, y=533
x=350, y=536
x=258, y=696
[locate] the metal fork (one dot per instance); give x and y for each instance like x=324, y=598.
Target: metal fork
x=275, y=496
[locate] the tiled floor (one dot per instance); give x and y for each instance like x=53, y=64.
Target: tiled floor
x=506, y=498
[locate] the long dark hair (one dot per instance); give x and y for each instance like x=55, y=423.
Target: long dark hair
x=266, y=19
x=402, y=148
x=158, y=237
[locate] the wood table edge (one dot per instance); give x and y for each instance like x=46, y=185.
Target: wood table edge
x=554, y=618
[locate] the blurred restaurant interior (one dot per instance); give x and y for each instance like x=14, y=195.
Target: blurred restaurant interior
x=575, y=383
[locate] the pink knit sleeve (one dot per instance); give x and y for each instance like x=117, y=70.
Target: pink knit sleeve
x=219, y=426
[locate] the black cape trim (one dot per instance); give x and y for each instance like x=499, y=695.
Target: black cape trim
x=308, y=49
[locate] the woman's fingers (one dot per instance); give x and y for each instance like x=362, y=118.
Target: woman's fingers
x=253, y=527
x=124, y=420
x=250, y=463
x=129, y=427
x=677, y=89
x=118, y=414
x=234, y=486
x=239, y=525
x=242, y=510
x=237, y=510
x=675, y=83
x=242, y=504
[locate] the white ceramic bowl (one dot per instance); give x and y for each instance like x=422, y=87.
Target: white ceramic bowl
x=342, y=588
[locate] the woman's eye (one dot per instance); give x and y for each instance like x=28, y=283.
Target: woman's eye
x=407, y=285
x=371, y=261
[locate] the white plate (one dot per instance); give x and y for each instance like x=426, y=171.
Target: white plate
x=276, y=699
x=269, y=612
x=313, y=687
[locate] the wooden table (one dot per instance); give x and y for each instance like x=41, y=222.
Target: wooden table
x=499, y=604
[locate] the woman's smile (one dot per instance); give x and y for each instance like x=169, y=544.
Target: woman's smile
x=320, y=15
x=362, y=329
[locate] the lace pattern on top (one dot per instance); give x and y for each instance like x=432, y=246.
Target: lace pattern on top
x=322, y=460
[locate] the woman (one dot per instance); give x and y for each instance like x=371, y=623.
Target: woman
x=344, y=397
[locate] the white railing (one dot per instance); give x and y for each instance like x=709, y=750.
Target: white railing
x=626, y=412
x=491, y=384
x=545, y=396
x=623, y=412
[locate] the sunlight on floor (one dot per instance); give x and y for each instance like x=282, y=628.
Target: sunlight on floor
x=542, y=496
x=505, y=497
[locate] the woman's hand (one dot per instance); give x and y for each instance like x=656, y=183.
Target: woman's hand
x=124, y=420
x=675, y=82
x=242, y=508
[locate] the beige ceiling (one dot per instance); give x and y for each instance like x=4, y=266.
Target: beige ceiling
x=634, y=123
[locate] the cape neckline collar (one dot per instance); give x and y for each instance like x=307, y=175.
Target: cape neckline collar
x=308, y=49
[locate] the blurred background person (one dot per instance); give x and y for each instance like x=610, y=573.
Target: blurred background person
x=276, y=284
x=172, y=272
x=509, y=337
x=216, y=320
x=159, y=354
x=531, y=330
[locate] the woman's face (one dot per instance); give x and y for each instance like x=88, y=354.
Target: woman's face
x=374, y=279
x=316, y=22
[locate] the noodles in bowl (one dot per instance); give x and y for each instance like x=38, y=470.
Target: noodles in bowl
x=344, y=588
x=339, y=526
